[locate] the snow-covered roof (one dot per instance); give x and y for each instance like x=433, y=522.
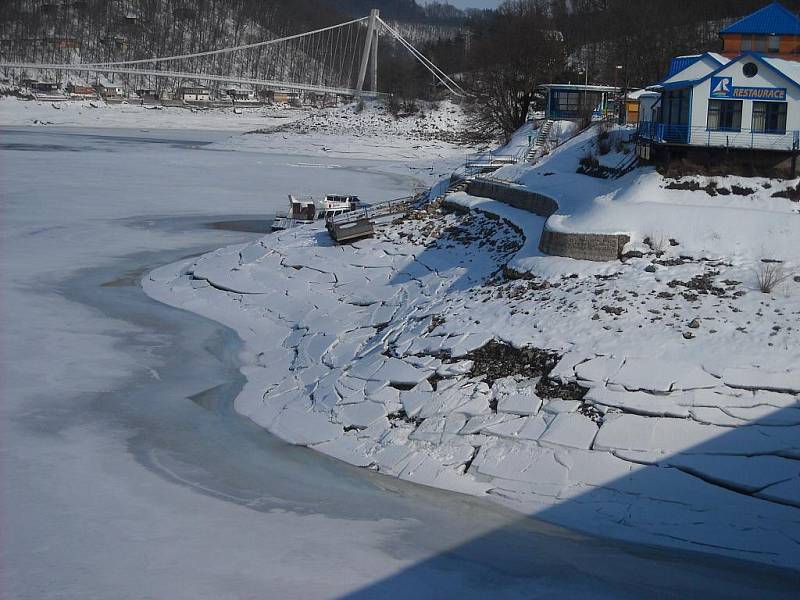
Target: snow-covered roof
x=773, y=19
x=788, y=68
x=719, y=57
x=679, y=63
x=686, y=69
x=635, y=95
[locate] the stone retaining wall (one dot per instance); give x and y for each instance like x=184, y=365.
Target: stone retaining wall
x=584, y=246
x=541, y=205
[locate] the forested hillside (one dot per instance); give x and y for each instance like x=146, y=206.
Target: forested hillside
x=506, y=52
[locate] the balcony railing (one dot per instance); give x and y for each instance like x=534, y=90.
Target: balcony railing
x=664, y=133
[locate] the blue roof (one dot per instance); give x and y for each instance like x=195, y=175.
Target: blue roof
x=679, y=63
x=773, y=19
x=788, y=69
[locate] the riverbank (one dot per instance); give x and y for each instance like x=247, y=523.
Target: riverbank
x=415, y=354
x=127, y=473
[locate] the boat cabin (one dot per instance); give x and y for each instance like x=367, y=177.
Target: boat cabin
x=306, y=210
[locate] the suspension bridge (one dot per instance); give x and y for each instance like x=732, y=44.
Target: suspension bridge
x=332, y=60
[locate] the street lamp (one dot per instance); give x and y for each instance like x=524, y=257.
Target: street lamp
x=621, y=97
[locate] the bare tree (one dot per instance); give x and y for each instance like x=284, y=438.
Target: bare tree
x=517, y=53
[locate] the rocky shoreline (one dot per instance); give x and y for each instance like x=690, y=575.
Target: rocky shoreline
x=414, y=355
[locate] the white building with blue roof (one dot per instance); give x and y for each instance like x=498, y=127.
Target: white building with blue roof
x=750, y=102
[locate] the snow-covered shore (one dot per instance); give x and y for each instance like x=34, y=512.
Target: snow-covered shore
x=371, y=353
x=120, y=450
x=17, y=112
x=346, y=131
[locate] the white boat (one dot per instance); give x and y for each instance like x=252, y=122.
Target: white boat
x=303, y=211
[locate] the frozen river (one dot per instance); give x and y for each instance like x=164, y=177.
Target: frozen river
x=126, y=473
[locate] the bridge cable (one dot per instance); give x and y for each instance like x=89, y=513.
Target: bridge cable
x=221, y=50
x=426, y=62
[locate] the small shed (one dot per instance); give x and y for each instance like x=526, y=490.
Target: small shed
x=567, y=101
x=240, y=93
x=194, y=94
x=638, y=106
x=148, y=94
x=285, y=97
x=79, y=90
x=109, y=90
x=44, y=87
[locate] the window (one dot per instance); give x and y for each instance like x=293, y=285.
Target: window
x=566, y=103
x=769, y=117
x=750, y=69
x=675, y=107
x=760, y=43
x=724, y=115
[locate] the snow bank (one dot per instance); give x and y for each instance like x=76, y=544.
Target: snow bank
x=96, y=113
x=367, y=353
x=744, y=225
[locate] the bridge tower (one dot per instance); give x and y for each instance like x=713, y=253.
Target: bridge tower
x=370, y=54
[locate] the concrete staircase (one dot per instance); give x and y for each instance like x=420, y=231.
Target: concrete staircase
x=457, y=186
x=541, y=138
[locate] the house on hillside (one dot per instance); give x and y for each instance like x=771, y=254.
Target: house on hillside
x=240, y=94
x=109, y=91
x=773, y=30
x=44, y=87
x=77, y=90
x=194, y=93
x=283, y=97
x=148, y=95
x=567, y=101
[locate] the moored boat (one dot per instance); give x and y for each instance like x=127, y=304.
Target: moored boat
x=303, y=211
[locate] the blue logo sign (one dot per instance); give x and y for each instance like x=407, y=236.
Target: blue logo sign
x=722, y=87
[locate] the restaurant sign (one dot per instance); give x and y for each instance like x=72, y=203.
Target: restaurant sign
x=722, y=87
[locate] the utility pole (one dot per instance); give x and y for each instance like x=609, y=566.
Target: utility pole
x=370, y=48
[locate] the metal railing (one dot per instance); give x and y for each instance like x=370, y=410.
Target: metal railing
x=373, y=211
x=664, y=133
x=492, y=157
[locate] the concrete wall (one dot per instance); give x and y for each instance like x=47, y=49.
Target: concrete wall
x=584, y=246
x=544, y=206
